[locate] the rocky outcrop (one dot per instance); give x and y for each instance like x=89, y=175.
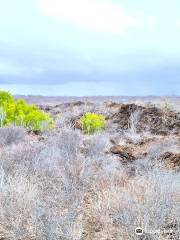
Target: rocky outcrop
x=154, y=119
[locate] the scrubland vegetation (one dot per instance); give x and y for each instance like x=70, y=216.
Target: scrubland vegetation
x=20, y=113
x=99, y=173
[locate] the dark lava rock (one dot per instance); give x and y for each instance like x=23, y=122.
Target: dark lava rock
x=151, y=118
x=123, y=152
x=171, y=159
x=113, y=105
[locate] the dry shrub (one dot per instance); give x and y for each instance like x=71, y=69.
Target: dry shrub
x=70, y=187
x=11, y=135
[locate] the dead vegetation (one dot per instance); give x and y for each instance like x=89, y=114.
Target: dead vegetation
x=63, y=184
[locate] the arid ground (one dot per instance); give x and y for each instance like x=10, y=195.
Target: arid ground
x=111, y=185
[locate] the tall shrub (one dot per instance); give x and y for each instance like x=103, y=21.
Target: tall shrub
x=20, y=113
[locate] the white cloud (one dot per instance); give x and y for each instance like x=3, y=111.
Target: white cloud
x=178, y=23
x=101, y=15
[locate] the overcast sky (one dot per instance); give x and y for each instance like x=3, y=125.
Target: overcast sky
x=90, y=47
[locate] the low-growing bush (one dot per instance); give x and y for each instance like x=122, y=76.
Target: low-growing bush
x=11, y=134
x=92, y=122
x=22, y=114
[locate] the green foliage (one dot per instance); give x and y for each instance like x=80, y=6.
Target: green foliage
x=92, y=122
x=6, y=99
x=22, y=114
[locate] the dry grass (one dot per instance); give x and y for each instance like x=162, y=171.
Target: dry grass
x=69, y=186
x=11, y=135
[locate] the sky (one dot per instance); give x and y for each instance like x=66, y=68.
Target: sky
x=90, y=47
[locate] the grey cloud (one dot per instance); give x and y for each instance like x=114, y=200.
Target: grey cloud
x=60, y=67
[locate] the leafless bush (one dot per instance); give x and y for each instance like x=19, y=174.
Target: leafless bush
x=35, y=210
x=131, y=133
x=51, y=200
x=123, y=204
x=69, y=186
x=11, y=134
x=95, y=145
x=37, y=192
